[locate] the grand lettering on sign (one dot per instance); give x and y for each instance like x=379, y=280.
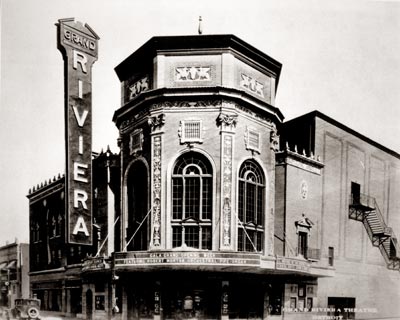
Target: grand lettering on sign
x=81, y=41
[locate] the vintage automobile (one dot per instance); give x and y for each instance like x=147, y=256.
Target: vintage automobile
x=24, y=309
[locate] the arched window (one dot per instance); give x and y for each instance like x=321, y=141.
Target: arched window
x=251, y=207
x=192, y=202
x=137, y=230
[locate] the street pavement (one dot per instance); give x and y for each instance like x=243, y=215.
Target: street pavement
x=44, y=315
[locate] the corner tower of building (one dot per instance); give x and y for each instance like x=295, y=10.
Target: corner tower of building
x=196, y=111
x=198, y=136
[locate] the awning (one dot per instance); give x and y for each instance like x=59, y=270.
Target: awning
x=12, y=264
x=2, y=265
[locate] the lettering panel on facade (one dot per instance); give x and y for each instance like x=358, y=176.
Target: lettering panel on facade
x=78, y=44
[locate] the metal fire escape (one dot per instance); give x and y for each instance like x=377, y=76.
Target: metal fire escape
x=365, y=209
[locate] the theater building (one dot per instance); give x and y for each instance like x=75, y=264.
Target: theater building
x=219, y=209
x=227, y=211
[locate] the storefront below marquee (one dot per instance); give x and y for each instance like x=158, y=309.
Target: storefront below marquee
x=197, y=285
x=178, y=294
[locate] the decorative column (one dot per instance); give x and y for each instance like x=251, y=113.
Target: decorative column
x=124, y=313
x=225, y=301
x=155, y=123
x=65, y=303
x=227, y=123
x=157, y=301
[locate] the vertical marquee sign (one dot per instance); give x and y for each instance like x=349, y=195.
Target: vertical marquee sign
x=78, y=45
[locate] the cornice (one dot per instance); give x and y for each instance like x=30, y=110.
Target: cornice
x=196, y=95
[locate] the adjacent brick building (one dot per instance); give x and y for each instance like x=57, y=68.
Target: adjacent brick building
x=55, y=264
x=14, y=272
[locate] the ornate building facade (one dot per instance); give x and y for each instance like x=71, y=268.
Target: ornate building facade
x=198, y=135
x=223, y=211
x=227, y=211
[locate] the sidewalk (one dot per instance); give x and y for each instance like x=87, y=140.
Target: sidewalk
x=52, y=315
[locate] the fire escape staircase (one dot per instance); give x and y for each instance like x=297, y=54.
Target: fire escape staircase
x=365, y=209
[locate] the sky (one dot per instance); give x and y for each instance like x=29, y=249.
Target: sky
x=339, y=57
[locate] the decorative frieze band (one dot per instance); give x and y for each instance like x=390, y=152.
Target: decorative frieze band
x=252, y=85
x=193, y=73
x=138, y=87
x=128, y=124
x=186, y=104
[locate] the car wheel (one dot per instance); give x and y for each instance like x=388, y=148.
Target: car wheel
x=33, y=313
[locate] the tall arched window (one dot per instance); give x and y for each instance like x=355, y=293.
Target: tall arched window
x=137, y=230
x=251, y=207
x=192, y=202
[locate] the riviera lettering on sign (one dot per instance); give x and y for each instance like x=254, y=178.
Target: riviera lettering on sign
x=80, y=58
x=78, y=44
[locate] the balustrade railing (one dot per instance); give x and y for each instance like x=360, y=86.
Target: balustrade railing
x=362, y=199
x=310, y=253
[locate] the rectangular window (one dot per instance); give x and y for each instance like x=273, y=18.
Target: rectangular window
x=302, y=295
x=340, y=305
x=250, y=243
x=192, y=200
x=207, y=200
x=309, y=304
x=191, y=131
x=135, y=141
x=355, y=192
x=177, y=191
x=303, y=239
x=259, y=245
x=206, y=238
x=259, y=220
x=241, y=239
x=250, y=201
x=99, y=303
x=331, y=255
x=302, y=291
x=241, y=200
x=293, y=303
x=192, y=236
x=252, y=139
x=176, y=236
x=275, y=299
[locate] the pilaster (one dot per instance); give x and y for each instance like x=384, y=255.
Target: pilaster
x=227, y=123
x=157, y=236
